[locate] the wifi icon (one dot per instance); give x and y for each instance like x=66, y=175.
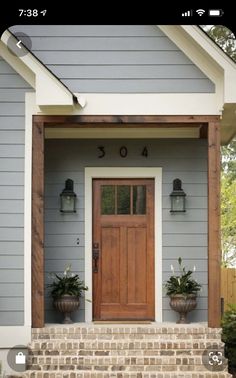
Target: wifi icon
x=200, y=12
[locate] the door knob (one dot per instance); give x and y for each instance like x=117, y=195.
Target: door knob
x=95, y=257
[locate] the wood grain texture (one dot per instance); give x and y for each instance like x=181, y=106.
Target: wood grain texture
x=72, y=121
x=214, y=252
x=137, y=265
x=228, y=286
x=124, y=284
x=38, y=225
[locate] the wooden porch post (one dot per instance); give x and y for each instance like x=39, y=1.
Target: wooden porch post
x=38, y=225
x=214, y=250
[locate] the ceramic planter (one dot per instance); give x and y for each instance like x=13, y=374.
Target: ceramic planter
x=66, y=305
x=183, y=304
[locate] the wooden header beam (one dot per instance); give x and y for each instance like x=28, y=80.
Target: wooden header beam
x=49, y=120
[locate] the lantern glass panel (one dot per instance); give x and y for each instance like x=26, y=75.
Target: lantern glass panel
x=178, y=203
x=67, y=204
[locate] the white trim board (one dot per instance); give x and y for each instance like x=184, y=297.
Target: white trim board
x=124, y=172
x=143, y=103
x=30, y=109
x=11, y=336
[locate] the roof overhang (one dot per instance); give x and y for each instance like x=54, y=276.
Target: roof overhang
x=215, y=64
x=50, y=91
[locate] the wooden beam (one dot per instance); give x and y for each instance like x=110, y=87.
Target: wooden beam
x=214, y=252
x=38, y=225
x=119, y=119
x=123, y=126
x=203, y=131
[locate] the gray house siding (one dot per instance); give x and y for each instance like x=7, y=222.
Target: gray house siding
x=115, y=58
x=12, y=125
x=184, y=235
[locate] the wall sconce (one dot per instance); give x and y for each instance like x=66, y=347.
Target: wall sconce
x=177, y=197
x=68, y=198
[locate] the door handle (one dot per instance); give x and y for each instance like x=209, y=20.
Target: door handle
x=95, y=257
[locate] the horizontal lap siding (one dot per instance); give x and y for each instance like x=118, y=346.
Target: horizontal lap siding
x=12, y=135
x=184, y=235
x=115, y=58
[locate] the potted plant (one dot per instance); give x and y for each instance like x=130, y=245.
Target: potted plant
x=182, y=290
x=228, y=336
x=66, y=291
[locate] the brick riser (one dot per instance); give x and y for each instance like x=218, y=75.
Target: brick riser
x=115, y=351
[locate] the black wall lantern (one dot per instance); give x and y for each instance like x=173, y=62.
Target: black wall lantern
x=177, y=197
x=68, y=198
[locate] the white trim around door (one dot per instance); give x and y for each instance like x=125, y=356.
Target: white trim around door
x=124, y=172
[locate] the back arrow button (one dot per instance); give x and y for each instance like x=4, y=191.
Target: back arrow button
x=18, y=44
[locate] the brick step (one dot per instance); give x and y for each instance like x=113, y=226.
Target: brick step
x=87, y=332
x=86, y=374
x=117, y=367
x=114, y=353
x=124, y=353
x=128, y=337
x=49, y=331
x=129, y=328
x=115, y=360
x=148, y=353
x=123, y=345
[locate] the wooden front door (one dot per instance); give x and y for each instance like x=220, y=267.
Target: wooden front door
x=123, y=249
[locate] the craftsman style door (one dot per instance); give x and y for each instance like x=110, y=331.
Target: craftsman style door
x=123, y=249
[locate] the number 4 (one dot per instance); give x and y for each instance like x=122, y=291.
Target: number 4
x=145, y=152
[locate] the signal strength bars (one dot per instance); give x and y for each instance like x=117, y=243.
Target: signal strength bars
x=187, y=13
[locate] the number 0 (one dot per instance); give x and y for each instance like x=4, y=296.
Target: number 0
x=123, y=151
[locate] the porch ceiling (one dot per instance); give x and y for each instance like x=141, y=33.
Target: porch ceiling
x=128, y=133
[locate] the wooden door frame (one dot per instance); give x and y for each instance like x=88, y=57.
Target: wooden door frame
x=209, y=127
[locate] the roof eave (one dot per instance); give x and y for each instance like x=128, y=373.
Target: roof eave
x=50, y=91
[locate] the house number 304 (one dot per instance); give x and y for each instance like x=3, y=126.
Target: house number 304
x=123, y=152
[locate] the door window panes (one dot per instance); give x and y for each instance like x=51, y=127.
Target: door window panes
x=123, y=199
x=108, y=200
x=139, y=199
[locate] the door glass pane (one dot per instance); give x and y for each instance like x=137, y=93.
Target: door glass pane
x=123, y=199
x=108, y=200
x=139, y=199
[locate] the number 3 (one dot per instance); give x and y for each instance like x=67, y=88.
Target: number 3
x=102, y=149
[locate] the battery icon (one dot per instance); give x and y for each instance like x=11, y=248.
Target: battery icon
x=215, y=12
